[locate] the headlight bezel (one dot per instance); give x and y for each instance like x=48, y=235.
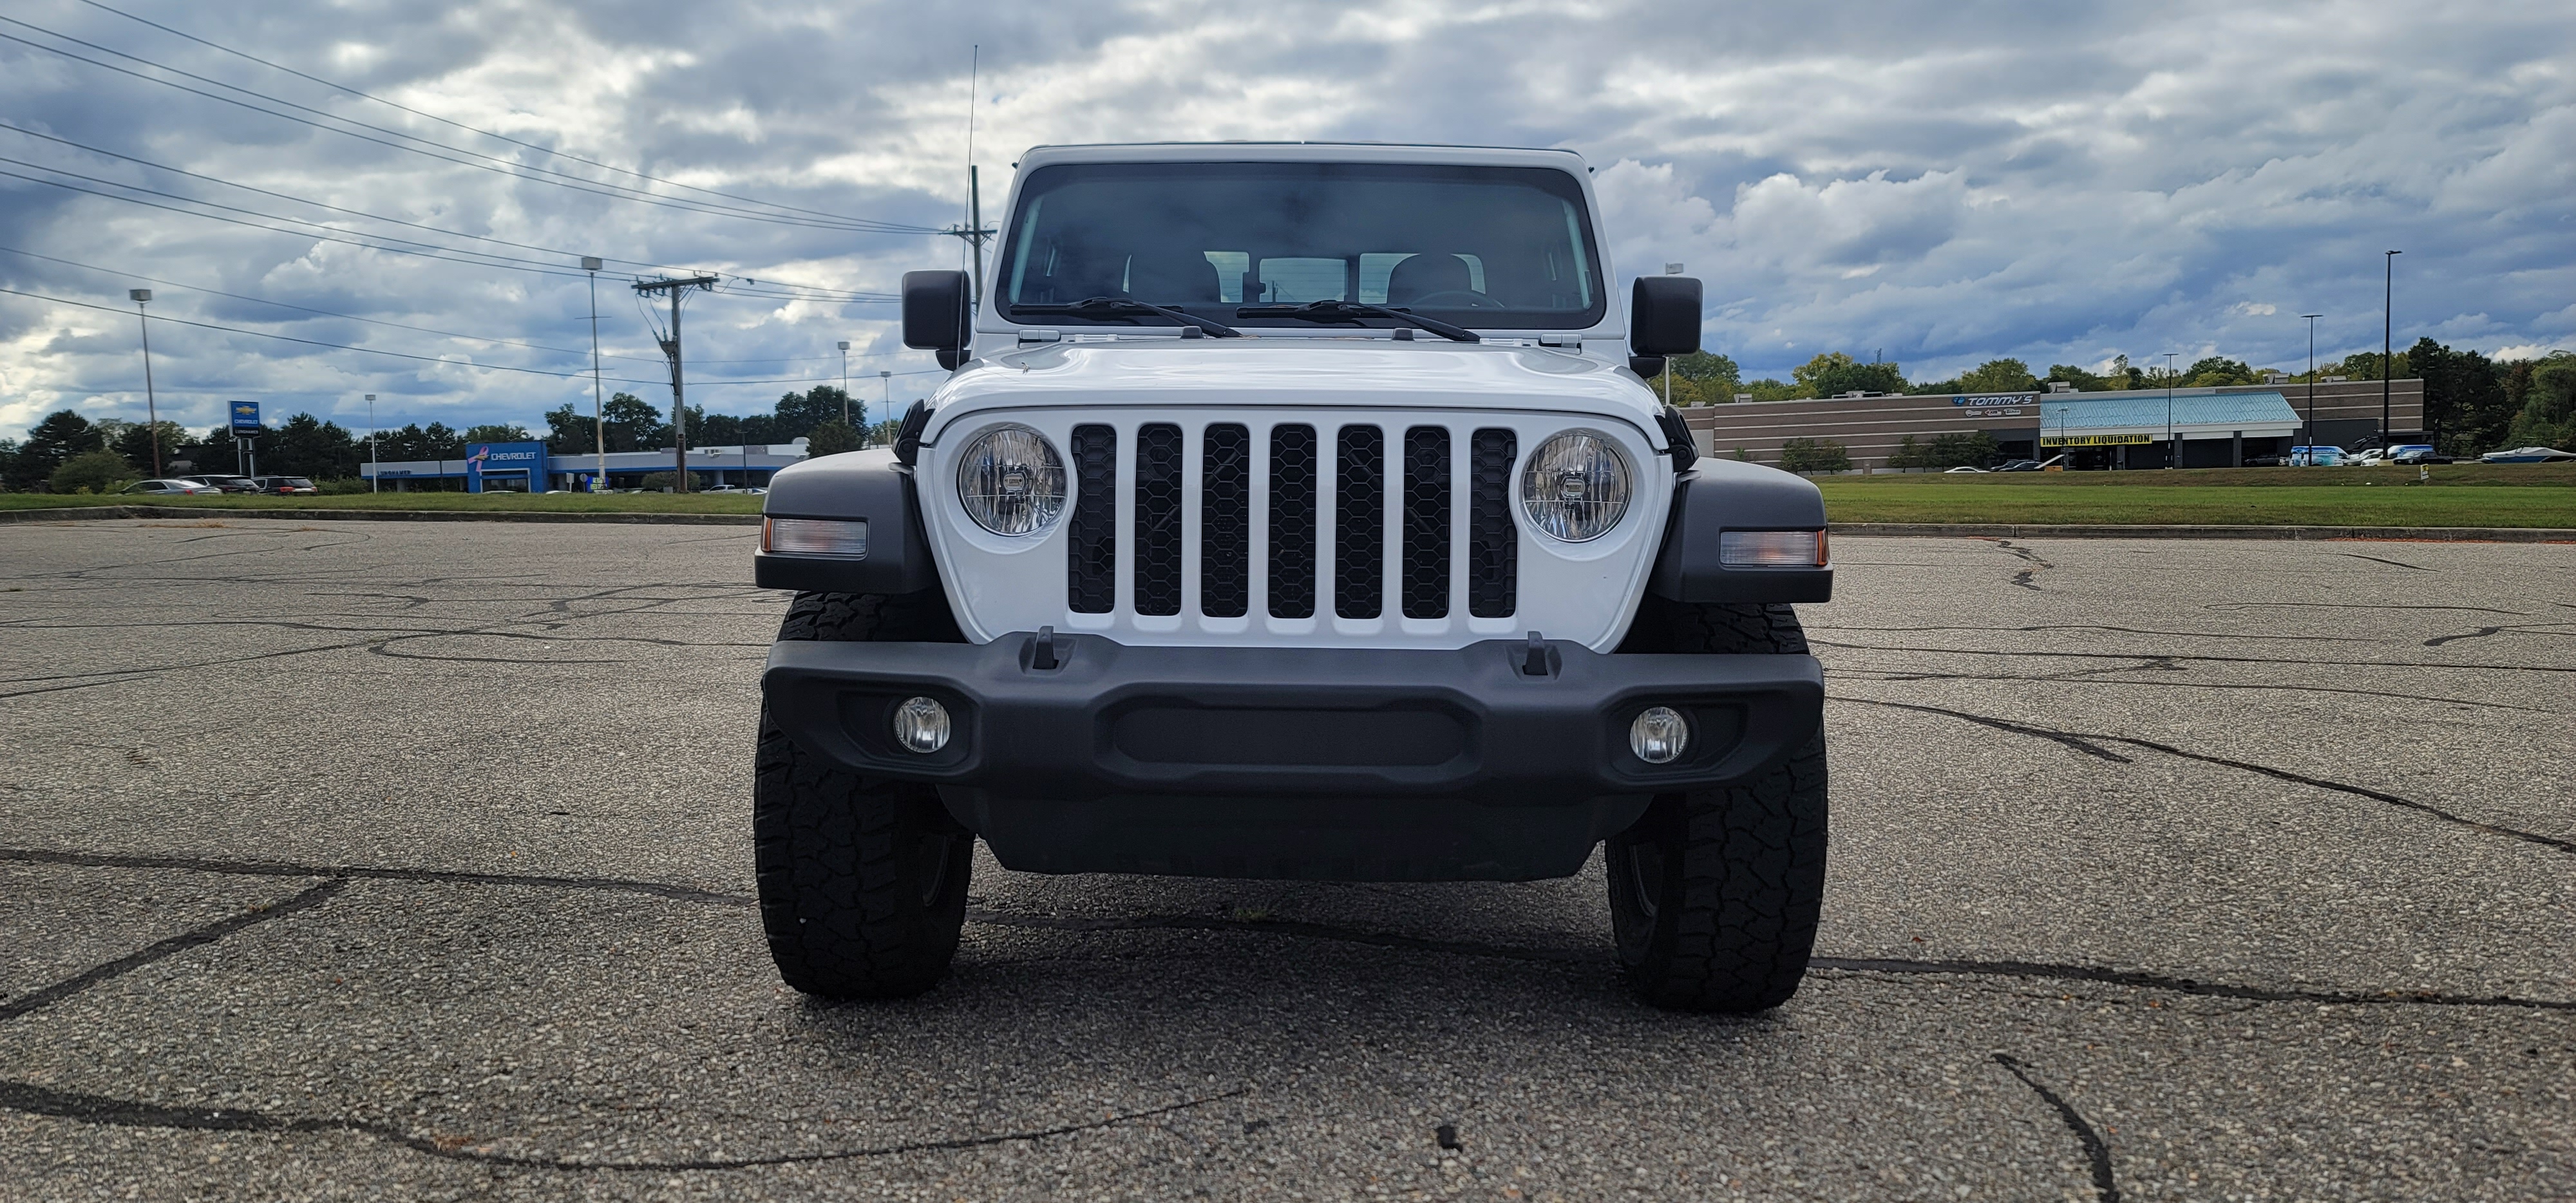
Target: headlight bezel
x=1044, y=509
x=1544, y=515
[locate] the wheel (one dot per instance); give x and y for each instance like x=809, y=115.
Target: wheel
x=862, y=879
x=1715, y=894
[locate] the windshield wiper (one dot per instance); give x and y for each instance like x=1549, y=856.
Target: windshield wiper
x=1352, y=311
x=1113, y=307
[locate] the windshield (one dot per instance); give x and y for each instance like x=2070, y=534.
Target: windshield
x=1474, y=246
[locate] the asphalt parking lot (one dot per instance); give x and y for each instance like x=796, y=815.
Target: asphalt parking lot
x=411, y=860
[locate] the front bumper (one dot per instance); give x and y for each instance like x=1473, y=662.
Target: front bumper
x=1287, y=762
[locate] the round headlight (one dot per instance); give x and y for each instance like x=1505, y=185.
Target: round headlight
x=1575, y=487
x=1011, y=481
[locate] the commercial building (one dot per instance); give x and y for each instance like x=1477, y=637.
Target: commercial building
x=529, y=467
x=2206, y=427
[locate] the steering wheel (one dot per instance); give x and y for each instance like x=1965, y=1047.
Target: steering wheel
x=1469, y=299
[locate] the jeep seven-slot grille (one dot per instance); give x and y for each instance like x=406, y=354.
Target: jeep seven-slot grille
x=1225, y=521
x=1158, y=519
x=1292, y=521
x=1091, y=556
x=1421, y=479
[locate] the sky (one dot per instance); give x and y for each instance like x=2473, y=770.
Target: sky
x=1935, y=185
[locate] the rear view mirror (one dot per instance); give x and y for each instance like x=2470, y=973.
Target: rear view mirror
x=935, y=314
x=1663, y=316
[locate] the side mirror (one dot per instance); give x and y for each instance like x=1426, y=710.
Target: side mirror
x=1663, y=316
x=935, y=314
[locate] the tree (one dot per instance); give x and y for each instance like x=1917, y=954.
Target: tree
x=2548, y=417
x=133, y=440
x=60, y=436
x=307, y=446
x=92, y=472
x=1814, y=455
x=2465, y=404
x=2364, y=365
x=2218, y=371
x=799, y=413
x=1834, y=373
x=634, y=425
x=498, y=432
x=1768, y=389
x=569, y=431
x=831, y=438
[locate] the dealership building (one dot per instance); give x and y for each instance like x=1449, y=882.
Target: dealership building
x=530, y=468
x=2143, y=428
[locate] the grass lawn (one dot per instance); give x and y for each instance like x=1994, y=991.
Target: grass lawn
x=573, y=503
x=2455, y=495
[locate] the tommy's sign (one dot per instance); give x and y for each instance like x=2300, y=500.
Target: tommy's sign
x=1993, y=405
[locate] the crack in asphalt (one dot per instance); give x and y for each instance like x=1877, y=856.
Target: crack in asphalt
x=2099, y=626
x=2073, y=655
x=34, y=1099
x=2106, y=1188
x=194, y=938
x=2535, y=628
x=2391, y=563
x=2137, y=979
x=250, y=868
x=2084, y=743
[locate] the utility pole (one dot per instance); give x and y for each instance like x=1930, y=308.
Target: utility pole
x=2387, y=352
x=2311, y=440
x=887, y=376
x=598, y=408
x=377, y=475
x=845, y=384
x=671, y=351
x=151, y=405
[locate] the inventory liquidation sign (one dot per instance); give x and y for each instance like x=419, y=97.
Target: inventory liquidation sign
x=2096, y=440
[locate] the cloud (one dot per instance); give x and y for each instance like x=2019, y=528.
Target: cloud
x=2060, y=183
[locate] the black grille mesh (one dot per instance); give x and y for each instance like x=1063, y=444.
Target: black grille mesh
x=1359, y=524
x=1426, y=522
x=1091, y=557
x=1292, y=521
x=1158, y=519
x=1225, y=521
x=1493, y=547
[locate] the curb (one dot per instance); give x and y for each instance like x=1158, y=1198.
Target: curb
x=79, y=512
x=2412, y=534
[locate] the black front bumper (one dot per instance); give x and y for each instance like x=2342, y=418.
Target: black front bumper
x=1345, y=764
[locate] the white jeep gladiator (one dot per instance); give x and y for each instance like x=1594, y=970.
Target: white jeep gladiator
x=1295, y=511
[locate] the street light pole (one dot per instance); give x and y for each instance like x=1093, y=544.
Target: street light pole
x=886, y=375
x=2387, y=332
x=2173, y=450
x=845, y=384
x=376, y=474
x=598, y=408
x=2311, y=439
x=151, y=404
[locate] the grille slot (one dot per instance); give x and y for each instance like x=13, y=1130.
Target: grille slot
x=1426, y=522
x=1359, y=524
x=1091, y=554
x=1225, y=521
x=1158, y=519
x=1493, y=547
x=1292, y=521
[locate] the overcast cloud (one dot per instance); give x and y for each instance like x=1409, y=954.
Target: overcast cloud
x=1934, y=184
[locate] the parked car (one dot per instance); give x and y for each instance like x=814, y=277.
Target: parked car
x=169, y=488
x=2018, y=465
x=2417, y=453
x=284, y=486
x=1966, y=468
x=222, y=481
x=2315, y=457
x=2526, y=455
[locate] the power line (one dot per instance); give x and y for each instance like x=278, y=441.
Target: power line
x=491, y=163
x=457, y=363
x=468, y=128
x=825, y=293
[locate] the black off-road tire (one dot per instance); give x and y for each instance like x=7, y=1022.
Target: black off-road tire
x=1715, y=894
x=862, y=879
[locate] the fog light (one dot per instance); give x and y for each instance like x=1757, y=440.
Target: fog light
x=921, y=724
x=1658, y=736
